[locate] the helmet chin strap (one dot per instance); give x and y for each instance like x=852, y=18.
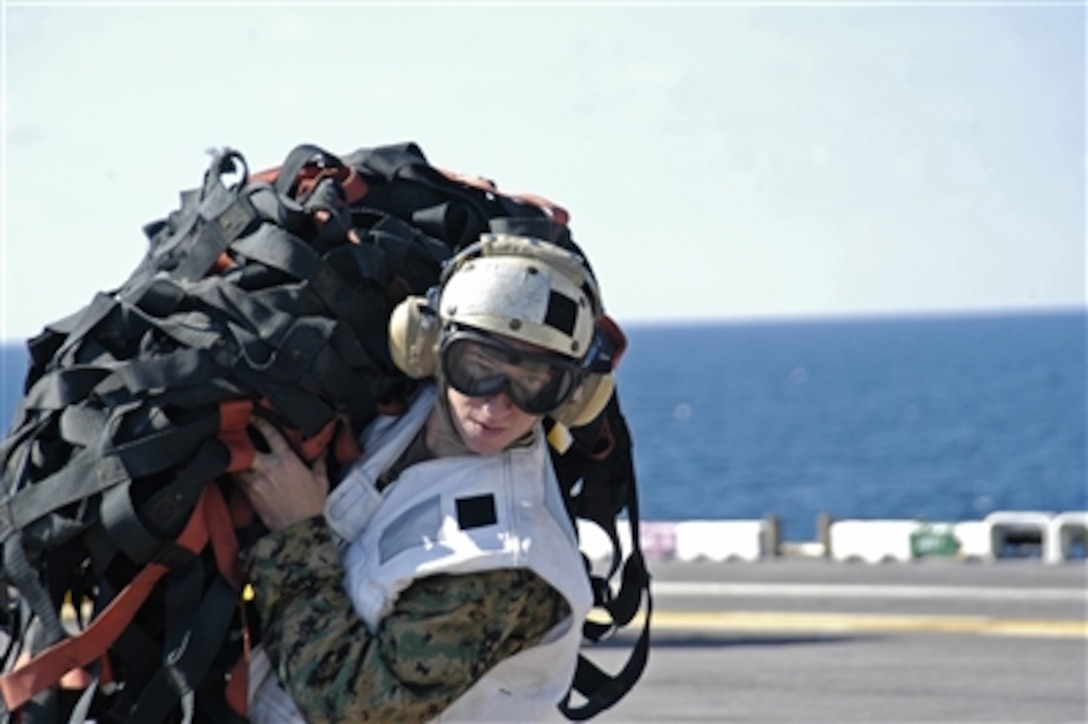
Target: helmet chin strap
x=443, y=437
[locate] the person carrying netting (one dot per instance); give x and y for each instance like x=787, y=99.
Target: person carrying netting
x=441, y=578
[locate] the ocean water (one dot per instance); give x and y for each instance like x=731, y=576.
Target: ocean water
x=945, y=419
x=941, y=418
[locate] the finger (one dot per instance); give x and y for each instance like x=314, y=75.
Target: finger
x=321, y=472
x=245, y=480
x=256, y=464
x=251, y=474
x=277, y=443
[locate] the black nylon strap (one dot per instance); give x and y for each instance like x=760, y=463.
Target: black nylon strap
x=269, y=340
x=122, y=523
x=183, y=367
x=151, y=454
x=19, y=571
x=161, y=448
x=14, y=448
x=230, y=214
x=170, y=507
x=86, y=475
x=59, y=389
x=83, y=705
x=196, y=329
x=82, y=425
x=191, y=256
x=136, y=654
x=146, y=534
x=207, y=226
x=184, y=591
x=305, y=411
x=160, y=297
x=86, y=320
x=297, y=159
x=299, y=320
x=599, y=502
x=475, y=214
x=601, y=690
x=387, y=161
x=281, y=250
x=187, y=663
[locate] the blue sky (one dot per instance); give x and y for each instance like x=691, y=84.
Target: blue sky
x=727, y=161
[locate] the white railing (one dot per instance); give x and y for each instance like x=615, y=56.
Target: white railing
x=871, y=541
x=1056, y=537
x=1065, y=531
x=1010, y=529
x=719, y=540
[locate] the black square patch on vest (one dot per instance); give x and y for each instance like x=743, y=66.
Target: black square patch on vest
x=476, y=512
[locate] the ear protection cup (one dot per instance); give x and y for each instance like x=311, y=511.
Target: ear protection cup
x=587, y=402
x=414, y=328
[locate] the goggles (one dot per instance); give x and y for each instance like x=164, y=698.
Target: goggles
x=479, y=365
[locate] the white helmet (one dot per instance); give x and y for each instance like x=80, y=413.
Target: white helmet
x=522, y=289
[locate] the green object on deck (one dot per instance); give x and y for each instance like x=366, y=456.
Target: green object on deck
x=933, y=540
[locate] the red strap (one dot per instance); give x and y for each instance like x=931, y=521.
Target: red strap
x=220, y=527
x=605, y=443
x=336, y=432
x=105, y=674
x=233, y=420
x=45, y=669
x=268, y=175
x=237, y=691
x=309, y=448
x=615, y=335
x=212, y=520
x=345, y=446
x=354, y=186
x=557, y=213
x=222, y=263
x=241, y=510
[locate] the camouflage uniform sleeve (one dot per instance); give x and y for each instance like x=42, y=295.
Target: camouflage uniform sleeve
x=443, y=634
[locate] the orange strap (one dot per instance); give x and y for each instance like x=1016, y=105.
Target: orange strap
x=222, y=263
x=211, y=521
x=234, y=416
x=237, y=691
x=605, y=443
x=46, y=668
x=233, y=420
x=336, y=432
x=220, y=527
x=619, y=340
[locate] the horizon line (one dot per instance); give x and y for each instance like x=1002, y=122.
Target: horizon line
x=801, y=317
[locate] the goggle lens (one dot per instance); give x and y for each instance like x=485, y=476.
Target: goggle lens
x=536, y=382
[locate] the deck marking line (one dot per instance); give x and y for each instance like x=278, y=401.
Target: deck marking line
x=852, y=622
x=804, y=590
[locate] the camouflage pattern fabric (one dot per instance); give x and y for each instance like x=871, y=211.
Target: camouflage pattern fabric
x=444, y=633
